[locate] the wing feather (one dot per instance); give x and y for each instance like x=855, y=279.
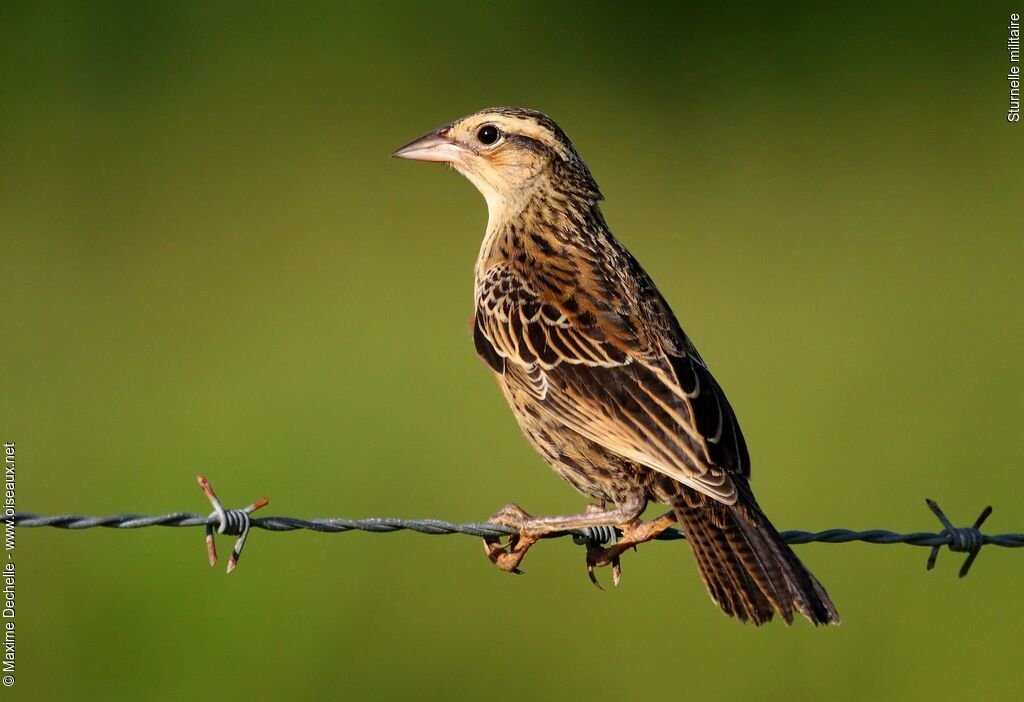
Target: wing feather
x=661, y=408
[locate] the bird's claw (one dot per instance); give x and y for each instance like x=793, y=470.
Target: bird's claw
x=598, y=557
x=593, y=561
x=636, y=532
x=508, y=556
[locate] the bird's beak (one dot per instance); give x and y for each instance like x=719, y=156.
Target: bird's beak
x=435, y=146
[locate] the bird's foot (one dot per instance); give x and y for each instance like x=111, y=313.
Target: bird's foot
x=598, y=556
x=508, y=556
x=634, y=533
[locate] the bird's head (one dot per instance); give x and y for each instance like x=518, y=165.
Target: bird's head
x=507, y=153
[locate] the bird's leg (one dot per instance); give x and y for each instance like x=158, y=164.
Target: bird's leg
x=531, y=529
x=636, y=532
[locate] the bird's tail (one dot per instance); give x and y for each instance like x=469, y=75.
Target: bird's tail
x=748, y=570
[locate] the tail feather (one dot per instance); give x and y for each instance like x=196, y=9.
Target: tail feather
x=749, y=571
x=751, y=602
x=762, y=568
x=716, y=579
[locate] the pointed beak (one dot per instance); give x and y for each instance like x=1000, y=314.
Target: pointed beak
x=435, y=146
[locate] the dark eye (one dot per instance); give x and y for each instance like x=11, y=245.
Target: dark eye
x=488, y=134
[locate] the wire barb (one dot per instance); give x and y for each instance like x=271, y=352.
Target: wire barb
x=961, y=540
x=238, y=522
x=229, y=521
x=598, y=535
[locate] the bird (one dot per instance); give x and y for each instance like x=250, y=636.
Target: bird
x=601, y=377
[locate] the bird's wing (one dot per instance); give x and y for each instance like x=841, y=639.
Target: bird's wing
x=591, y=370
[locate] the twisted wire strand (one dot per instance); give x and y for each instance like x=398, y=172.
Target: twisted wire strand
x=381, y=525
x=238, y=522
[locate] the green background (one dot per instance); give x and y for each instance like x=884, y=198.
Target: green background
x=210, y=265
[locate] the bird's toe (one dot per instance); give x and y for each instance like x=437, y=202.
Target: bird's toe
x=511, y=516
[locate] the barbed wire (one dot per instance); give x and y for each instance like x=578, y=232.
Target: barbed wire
x=238, y=522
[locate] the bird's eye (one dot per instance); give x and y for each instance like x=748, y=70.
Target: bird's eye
x=488, y=134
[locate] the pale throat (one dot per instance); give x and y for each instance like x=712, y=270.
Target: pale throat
x=502, y=207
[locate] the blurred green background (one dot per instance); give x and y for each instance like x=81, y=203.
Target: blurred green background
x=211, y=265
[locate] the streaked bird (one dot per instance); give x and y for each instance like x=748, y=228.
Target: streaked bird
x=600, y=376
